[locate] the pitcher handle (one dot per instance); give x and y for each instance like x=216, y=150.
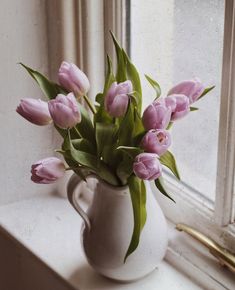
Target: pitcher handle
x=73, y=197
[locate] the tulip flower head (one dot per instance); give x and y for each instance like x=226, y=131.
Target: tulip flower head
x=117, y=98
x=147, y=166
x=156, y=141
x=157, y=115
x=64, y=111
x=47, y=170
x=190, y=88
x=73, y=79
x=35, y=111
x=181, y=106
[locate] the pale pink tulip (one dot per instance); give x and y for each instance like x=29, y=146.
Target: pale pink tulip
x=181, y=106
x=147, y=166
x=157, y=115
x=73, y=79
x=35, y=111
x=156, y=141
x=190, y=88
x=116, y=100
x=64, y=111
x=47, y=170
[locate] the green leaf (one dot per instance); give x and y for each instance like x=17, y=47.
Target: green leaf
x=125, y=167
x=90, y=161
x=138, y=198
x=168, y=160
x=105, y=135
x=133, y=76
x=206, y=91
x=131, y=151
x=155, y=85
x=83, y=145
x=121, y=66
x=102, y=115
x=85, y=127
x=50, y=89
x=99, y=98
x=193, y=109
x=110, y=78
x=138, y=124
x=125, y=132
x=160, y=186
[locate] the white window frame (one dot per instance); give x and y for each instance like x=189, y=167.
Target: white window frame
x=85, y=40
x=197, y=210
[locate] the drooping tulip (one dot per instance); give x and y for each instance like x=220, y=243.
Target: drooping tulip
x=157, y=115
x=181, y=106
x=35, y=111
x=73, y=79
x=47, y=170
x=64, y=111
x=116, y=99
x=147, y=166
x=190, y=88
x=156, y=141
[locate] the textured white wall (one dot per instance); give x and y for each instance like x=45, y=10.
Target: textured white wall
x=23, y=37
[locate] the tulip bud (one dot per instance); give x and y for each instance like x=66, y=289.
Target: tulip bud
x=156, y=141
x=190, y=88
x=35, y=111
x=47, y=170
x=157, y=115
x=147, y=166
x=64, y=111
x=73, y=79
x=116, y=100
x=181, y=107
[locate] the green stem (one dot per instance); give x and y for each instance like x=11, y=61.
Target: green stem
x=92, y=108
x=77, y=132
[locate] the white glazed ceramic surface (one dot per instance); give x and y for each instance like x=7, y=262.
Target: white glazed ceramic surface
x=108, y=227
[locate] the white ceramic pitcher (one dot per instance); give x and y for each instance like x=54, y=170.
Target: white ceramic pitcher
x=108, y=227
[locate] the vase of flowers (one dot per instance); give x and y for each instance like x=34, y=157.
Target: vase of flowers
x=108, y=228
x=124, y=234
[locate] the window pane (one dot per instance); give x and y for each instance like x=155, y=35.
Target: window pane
x=177, y=40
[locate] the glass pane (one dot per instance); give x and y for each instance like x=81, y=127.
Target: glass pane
x=177, y=40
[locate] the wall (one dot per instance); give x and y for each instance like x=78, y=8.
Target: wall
x=23, y=37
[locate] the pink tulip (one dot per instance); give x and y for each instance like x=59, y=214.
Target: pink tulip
x=147, y=166
x=73, y=79
x=181, y=106
x=64, y=111
x=35, y=111
x=157, y=115
x=190, y=88
x=116, y=100
x=47, y=170
x=156, y=141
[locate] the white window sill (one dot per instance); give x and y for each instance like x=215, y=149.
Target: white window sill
x=50, y=228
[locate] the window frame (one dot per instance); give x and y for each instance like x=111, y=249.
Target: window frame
x=198, y=211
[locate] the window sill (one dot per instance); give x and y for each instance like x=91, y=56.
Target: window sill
x=49, y=227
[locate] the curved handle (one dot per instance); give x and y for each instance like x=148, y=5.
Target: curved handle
x=73, y=197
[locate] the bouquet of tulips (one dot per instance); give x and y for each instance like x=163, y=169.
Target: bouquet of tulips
x=110, y=137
